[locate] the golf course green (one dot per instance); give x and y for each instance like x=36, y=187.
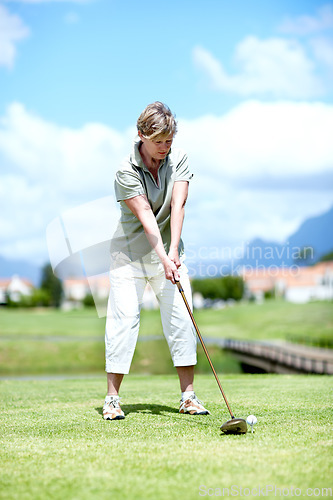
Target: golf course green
x=55, y=444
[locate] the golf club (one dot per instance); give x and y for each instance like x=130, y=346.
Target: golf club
x=235, y=425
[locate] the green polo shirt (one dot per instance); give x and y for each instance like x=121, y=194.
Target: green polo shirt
x=134, y=179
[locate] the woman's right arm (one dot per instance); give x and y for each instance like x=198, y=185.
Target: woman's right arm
x=140, y=207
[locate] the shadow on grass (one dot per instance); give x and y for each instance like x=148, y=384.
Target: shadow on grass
x=196, y=421
x=144, y=408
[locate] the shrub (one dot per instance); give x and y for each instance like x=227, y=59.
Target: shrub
x=88, y=301
x=223, y=288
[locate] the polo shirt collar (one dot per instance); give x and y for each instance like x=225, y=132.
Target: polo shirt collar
x=135, y=156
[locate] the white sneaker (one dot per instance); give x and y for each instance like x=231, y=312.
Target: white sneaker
x=111, y=408
x=193, y=406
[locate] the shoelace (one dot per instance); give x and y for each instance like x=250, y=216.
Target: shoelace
x=194, y=398
x=114, y=403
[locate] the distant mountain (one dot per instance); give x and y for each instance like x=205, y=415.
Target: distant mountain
x=24, y=269
x=316, y=232
x=307, y=245
x=260, y=252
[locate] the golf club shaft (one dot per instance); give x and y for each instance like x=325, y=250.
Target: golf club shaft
x=180, y=288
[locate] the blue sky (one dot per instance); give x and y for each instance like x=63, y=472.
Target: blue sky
x=251, y=84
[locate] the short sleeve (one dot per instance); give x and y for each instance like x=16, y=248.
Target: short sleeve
x=182, y=169
x=127, y=184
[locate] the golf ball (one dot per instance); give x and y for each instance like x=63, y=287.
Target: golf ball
x=251, y=420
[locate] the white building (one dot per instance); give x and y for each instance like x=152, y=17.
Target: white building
x=14, y=288
x=295, y=284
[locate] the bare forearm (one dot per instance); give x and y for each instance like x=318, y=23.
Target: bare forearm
x=153, y=234
x=178, y=200
x=176, y=225
x=142, y=210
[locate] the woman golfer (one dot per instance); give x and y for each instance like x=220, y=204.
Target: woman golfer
x=151, y=186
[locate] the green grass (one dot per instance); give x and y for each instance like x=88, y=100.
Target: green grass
x=28, y=344
x=37, y=358
x=273, y=319
x=40, y=322
x=54, y=443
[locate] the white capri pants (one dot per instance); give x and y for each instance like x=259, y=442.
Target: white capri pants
x=127, y=285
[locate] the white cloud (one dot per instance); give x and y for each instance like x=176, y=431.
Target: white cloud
x=76, y=161
x=236, y=215
x=22, y=218
x=323, y=50
x=275, y=67
x=16, y=192
x=46, y=169
x=283, y=67
x=280, y=139
x=307, y=25
x=12, y=30
x=287, y=144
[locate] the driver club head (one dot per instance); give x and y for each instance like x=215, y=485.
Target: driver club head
x=234, y=426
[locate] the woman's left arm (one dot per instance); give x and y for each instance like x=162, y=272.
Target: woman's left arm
x=178, y=200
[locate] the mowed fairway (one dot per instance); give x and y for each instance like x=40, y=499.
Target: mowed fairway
x=55, y=444
x=48, y=341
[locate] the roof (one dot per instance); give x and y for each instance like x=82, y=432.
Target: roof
x=295, y=276
x=5, y=282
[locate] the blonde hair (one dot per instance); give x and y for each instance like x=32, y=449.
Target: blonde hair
x=156, y=120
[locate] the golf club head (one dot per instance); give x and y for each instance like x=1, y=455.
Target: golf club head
x=234, y=426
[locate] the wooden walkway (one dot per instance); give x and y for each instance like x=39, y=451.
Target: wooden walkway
x=278, y=357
